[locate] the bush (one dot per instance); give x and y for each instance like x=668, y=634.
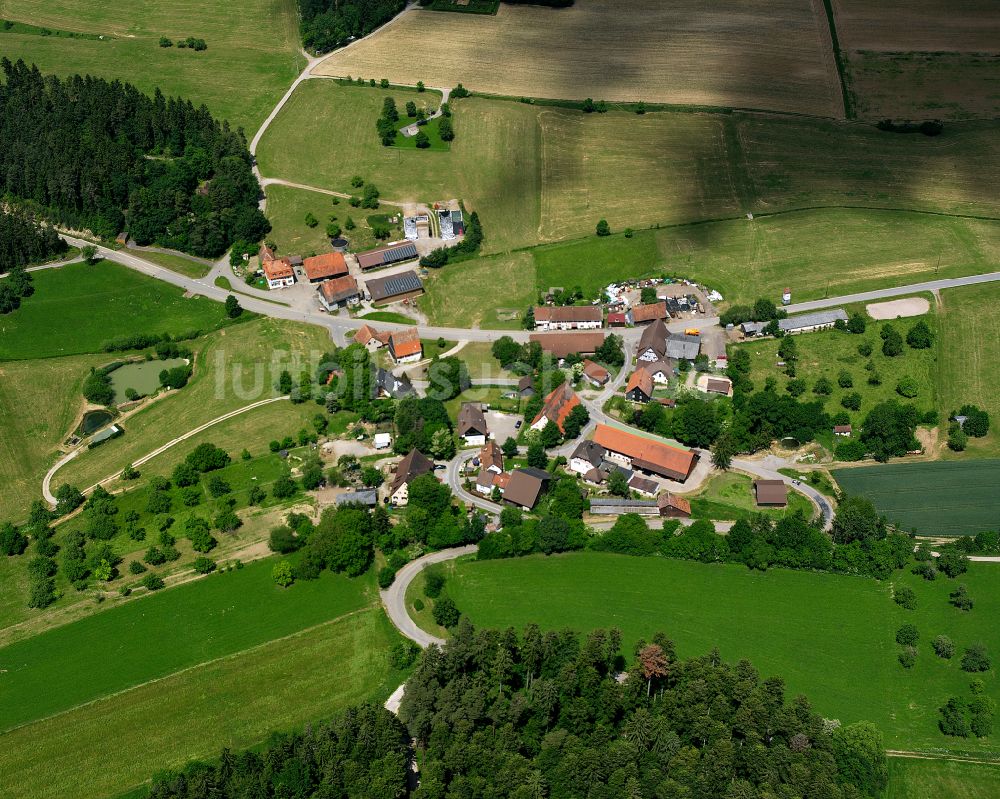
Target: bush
x=892, y=342
x=152, y=582
x=154, y=556
x=960, y=598
x=919, y=336
x=434, y=580
x=976, y=659
x=204, y=565
x=977, y=421
x=282, y=574
x=957, y=439
x=851, y=401
x=844, y=379
x=283, y=540
x=907, y=635
x=905, y=597
x=864, y=349
x=907, y=387
x=445, y=613
x=953, y=563
x=943, y=647
x=603, y=228
x=386, y=576
x=218, y=487
x=418, y=604
x=12, y=540
x=207, y=458
x=852, y=450
x=908, y=657
x=403, y=655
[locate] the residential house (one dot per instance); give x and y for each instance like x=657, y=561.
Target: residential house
x=472, y=424
x=646, y=454
x=586, y=458
x=491, y=458
x=277, y=271
x=770, y=493
x=523, y=489
x=843, y=430
x=386, y=256
x=643, y=485
x=390, y=386
x=405, y=346
x=394, y=288
x=370, y=338
x=595, y=374
x=525, y=387
x=324, y=267
x=485, y=481
x=408, y=469
x=673, y=507
x=562, y=344
x=364, y=496
x=639, y=387
x=556, y=408
x=682, y=346
x=568, y=317
x=342, y=291
x=644, y=314
x=660, y=371
x=616, y=506
x=653, y=342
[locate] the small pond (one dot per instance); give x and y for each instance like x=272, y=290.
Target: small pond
x=94, y=421
x=143, y=376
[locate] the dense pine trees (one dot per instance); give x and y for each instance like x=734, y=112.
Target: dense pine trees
x=328, y=24
x=104, y=156
x=550, y=715
x=24, y=241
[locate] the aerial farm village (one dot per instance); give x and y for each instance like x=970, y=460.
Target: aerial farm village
x=487, y=399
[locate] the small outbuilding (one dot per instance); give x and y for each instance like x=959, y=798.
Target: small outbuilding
x=770, y=493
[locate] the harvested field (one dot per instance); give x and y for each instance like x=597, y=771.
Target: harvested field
x=947, y=86
x=895, y=309
x=722, y=54
x=965, y=26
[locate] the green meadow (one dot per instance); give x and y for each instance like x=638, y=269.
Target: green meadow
x=830, y=637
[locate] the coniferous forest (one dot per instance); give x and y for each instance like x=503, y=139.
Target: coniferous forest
x=553, y=715
x=23, y=241
x=327, y=24
x=99, y=155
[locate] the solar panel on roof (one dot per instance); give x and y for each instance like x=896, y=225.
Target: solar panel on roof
x=396, y=254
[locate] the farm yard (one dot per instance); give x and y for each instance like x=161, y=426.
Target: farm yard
x=943, y=498
x=970, y=347
x=845, y=624
x=779, y=58
x=240, y=76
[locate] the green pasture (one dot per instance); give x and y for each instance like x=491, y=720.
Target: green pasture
x=237, y=701
x=182, y=265
x=830, y=352
x=912, y=778
x=252, y=54
x=969, y=352
x=729, y=496
x=950, y=498
x=77, y=307
x=830, y=637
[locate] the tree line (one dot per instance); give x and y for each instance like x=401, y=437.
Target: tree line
x=562, y=716
x=24, y=240
x=99, y=155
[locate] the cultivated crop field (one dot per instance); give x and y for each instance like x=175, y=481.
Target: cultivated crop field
x=948, y=498
x=76, y=308
x=830, y=637
x=970, y=347
x=931, y=59
x=251, y=59
x=778, y=57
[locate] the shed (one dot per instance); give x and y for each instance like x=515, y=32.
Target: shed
x=770, y=493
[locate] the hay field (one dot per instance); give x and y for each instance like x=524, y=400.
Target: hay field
x=251, y=59
x=970, y=347
x=963, y=26
x=912, y=778
x=719, y=54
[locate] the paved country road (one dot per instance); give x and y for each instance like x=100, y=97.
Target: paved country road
x=394, y=597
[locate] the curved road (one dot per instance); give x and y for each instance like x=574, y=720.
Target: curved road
x=394, y=597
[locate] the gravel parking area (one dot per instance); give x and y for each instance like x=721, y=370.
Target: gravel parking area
x=895, y=309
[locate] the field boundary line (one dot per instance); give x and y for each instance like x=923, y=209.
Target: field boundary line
x=838, y=59
x=907, y=754
x=192, y=667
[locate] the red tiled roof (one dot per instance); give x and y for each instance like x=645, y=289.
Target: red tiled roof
x=642, y=380
x=277, y=269
x=331, y=264
x=669, y=500
x=405, y=343
x=265, y=254
x=490, y=455
x=647, y=313
x=595, y=371
x=616, y=318
x=654, y=456
x=339, y=289
x=558, y=405
x=365, y=334
x=502, y=480
x=562, y=344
